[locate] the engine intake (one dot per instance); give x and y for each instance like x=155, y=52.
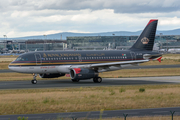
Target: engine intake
x=51, y=75
x=81, y=73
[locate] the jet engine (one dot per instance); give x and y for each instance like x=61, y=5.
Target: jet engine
x=82, y=73
x=51, y=75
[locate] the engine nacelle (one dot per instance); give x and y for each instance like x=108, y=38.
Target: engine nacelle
x=51, y=75
x=81, y=73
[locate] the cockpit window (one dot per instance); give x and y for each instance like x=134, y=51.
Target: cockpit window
x=20, y=58
x=26, y=58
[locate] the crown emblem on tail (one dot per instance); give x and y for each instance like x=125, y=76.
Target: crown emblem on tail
x=145, y=40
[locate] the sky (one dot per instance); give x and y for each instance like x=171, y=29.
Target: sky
x=19, y=18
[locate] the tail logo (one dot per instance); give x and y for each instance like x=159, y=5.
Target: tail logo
x=145, y=40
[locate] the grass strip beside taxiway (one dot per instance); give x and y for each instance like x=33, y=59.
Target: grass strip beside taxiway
x=32, y=101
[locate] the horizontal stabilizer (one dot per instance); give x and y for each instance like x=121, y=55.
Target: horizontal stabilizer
x=149, y=56
x=159, y=59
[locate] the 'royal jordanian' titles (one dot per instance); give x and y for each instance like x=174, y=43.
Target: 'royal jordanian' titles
x=83, y=65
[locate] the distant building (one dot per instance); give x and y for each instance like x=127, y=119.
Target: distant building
x=86, y=43
x=102, y=42
x=116, y=42
x=32, y=45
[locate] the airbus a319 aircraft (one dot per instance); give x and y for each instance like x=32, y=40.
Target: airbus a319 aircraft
x=83, y=65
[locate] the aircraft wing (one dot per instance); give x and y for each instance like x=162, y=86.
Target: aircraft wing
x=117, y=63
x=100, y=65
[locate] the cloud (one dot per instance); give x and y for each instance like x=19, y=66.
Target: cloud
x=119, y=6
x=30, y=17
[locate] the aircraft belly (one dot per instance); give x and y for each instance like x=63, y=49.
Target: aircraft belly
x=63, y=69
x=19, y=69
x=35, y=69
x=42, y=69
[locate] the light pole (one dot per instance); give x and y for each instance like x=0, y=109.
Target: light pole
x=5, y=39
x=161, y=35
x=113, y=45
x=44, y=42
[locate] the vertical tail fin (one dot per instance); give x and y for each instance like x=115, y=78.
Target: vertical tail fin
x=146, y=40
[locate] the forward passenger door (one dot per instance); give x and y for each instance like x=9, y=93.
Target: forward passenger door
x=38, y=59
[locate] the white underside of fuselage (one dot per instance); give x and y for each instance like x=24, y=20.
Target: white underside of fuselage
x=62, y=68
x=41, y=69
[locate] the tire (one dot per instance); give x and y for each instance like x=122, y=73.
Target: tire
x=33, y=81
x=99, y=80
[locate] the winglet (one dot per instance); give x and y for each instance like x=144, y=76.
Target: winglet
x=159, y=59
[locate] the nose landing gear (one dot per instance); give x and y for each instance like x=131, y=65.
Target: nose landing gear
x=34, y=81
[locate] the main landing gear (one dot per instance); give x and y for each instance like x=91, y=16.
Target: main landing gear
x=34, y=81
x=97, y=79
x=75, y=80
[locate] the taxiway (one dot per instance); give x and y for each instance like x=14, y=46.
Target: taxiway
x=67, y=83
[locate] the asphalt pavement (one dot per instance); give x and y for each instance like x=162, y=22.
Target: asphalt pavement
x=96, y=114
x=67, y=83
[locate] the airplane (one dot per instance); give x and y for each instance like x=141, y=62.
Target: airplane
x=82, y=65
x=16, y=51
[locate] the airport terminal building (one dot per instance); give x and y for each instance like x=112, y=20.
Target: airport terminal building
x=99, y=42
x=117, y=42
x=86, y=43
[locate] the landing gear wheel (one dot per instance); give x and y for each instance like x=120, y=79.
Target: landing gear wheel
x=33, y=81
x=97, y=79
x=75, y=80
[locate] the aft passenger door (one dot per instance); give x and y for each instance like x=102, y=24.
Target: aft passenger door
x=133, y=55
x=38, y=59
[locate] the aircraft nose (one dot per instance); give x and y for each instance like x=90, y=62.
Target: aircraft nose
x=17, y=68
x=11, y=67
